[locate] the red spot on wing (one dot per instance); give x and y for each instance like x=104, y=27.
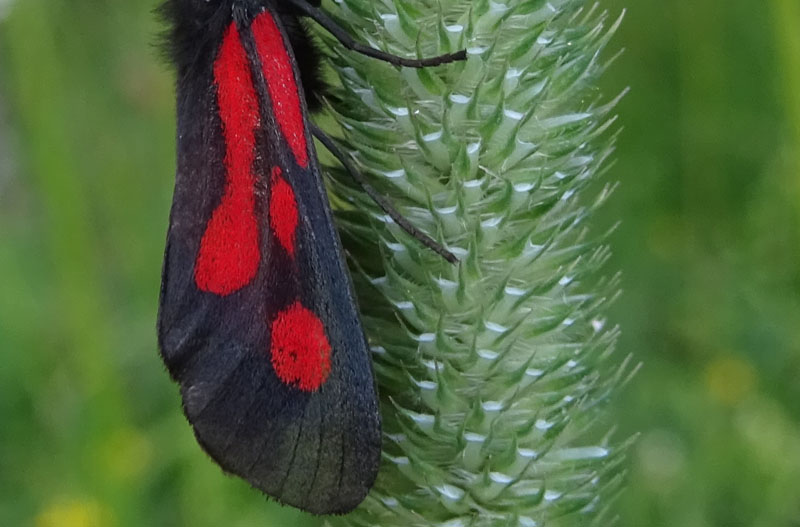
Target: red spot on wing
x=282, y=210
x=281, y=84
x=301, y=353
x=229, y=251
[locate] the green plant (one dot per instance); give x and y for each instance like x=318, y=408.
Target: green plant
x=491, y=371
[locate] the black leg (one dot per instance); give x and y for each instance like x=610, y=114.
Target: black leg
x=347, y=41
x=382, y=202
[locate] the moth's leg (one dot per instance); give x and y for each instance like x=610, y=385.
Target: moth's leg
x=382, y=202
x=349, y=42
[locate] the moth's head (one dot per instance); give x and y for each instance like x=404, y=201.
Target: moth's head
x=202, y=13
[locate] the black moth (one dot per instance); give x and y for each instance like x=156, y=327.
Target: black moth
x=257, y=317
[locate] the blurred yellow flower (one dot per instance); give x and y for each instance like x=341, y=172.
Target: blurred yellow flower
x=75, y=513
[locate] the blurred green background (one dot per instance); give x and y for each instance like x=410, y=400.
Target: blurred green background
x=709, y=245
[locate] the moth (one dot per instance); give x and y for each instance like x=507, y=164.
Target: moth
x=258, y=322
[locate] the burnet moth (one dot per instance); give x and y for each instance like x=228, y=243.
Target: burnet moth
x=257, y=320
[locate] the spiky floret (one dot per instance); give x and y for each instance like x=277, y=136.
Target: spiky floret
x=491, y=380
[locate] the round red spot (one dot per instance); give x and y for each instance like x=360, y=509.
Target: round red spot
x=229, y=253
x=282, y=210
x=301, y=353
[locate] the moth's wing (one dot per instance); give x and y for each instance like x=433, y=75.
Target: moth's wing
x=307, y=436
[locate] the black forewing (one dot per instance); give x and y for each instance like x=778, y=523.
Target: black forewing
x=320, y=450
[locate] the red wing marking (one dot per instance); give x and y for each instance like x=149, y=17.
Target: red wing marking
x=282, y=210
x=229, y=251
x=281, y=84
x=301, y=353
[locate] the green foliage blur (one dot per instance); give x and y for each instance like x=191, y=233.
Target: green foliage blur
x=709, y=248
x=91, y=433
